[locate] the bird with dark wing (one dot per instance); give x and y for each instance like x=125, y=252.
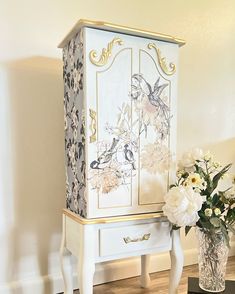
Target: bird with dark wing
x=141, y=86
x=105, y=157
x=129, y=156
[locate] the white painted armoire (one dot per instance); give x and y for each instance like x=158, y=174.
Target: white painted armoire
x=120, y=93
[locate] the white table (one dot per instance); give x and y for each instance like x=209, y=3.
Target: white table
x=104, y=239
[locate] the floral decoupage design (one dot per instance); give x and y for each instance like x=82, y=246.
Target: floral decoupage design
x=116, y=164
x=74, y=126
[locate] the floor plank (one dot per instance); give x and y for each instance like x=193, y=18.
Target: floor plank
x=159, y=283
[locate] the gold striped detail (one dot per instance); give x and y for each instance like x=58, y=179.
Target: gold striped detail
x=114, y=219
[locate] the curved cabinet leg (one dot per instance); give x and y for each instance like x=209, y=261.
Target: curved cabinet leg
x=86, y=263
x=177, y=260
x=145, y=266
x=66, y=266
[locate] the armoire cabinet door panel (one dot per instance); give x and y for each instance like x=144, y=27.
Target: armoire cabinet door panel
x=154, y=148
x=113, y=88
x=110, y=171
x=131, y=113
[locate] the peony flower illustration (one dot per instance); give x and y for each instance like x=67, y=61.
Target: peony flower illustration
x=105, y=180
x=149, y=113
x=182, y=206
x=155, y=158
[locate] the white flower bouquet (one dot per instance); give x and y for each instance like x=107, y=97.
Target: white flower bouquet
x=196, y=200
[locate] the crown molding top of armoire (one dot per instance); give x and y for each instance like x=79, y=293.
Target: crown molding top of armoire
x=120, y=29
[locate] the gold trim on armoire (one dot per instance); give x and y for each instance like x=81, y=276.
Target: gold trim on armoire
x=113, y=219
x=119, y=29
x=106, y=53
x=167, y=69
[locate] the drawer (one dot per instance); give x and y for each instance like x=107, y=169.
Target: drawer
x=125, y=239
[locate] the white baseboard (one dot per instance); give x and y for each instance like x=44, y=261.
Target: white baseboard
x=105, y=272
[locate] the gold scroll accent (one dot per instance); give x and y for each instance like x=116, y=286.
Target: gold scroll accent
x=92, y=125
x=167, y=69
x=145, y=237
x=106, y=53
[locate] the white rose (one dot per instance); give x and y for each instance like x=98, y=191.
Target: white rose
x=186, y=160
x=189, y=158
x=182, y=206
x=197, y=153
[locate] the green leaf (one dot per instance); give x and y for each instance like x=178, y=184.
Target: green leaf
x=185, y=175
x=205, y=224
x=215, y=199
x=200, y=171
x=218, y=176
x=175, y=227
x=187, y=229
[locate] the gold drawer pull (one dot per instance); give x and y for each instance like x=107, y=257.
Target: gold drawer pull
x=145, y=237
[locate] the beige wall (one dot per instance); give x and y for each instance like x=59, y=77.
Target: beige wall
x=31, y=111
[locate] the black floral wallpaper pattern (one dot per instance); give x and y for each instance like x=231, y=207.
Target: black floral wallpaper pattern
x=74, y=115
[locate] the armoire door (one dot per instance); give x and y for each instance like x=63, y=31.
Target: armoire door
x=130, y=92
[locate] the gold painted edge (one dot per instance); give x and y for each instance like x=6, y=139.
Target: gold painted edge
x=114, y=219
x=120, y=29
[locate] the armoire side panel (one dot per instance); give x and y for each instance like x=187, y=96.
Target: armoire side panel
x=75, y=140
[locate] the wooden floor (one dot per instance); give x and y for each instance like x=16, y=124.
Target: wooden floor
x=159, y=283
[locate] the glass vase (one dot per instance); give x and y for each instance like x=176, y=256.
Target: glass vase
x=212, y=260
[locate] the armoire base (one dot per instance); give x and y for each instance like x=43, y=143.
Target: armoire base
x=98, y=240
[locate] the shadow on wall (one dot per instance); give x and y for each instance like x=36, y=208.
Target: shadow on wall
x=224, y=151
x=36, y=114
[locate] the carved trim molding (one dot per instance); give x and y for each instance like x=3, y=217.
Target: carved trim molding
x=92, y=125
x=106, y=53
x=167, y=69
